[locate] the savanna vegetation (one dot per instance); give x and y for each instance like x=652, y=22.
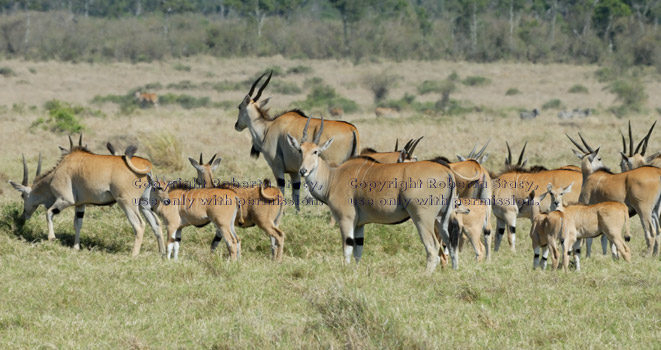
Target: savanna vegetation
x=100, y=297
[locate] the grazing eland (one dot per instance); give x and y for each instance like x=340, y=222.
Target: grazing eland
x=639, y=189
x=269, y=137
x=261, y=205
x=83, y=178
x=513, y=186
x=362, y=191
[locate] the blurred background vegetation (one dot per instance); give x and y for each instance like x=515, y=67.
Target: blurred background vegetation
x=610, y=32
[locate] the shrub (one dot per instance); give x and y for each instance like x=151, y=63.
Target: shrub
x=476, y=81
x=152, y=86
x=429, y=86
x=7, y=72
x=182, y=67
x=64, y=117
x=553, y=104
x=227, y=85
x=578, y=89
x=312, y=82
x=165, y=150
x=632, y=95
x=299, y=70
x=324, y=97
x=284, y=87
x=182, y=85
x=605, y=74
x=380, y=84
x=185, y=101
x=512, y=91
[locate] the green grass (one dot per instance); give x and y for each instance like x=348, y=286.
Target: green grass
x=100, y=297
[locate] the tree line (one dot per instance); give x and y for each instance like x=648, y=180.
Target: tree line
x=575, y=31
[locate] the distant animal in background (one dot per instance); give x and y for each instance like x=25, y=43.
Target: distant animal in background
x=145, y=98
x=529, y=115
x=581, y=113
x=576, y=113
x=385, y=111
x=336, y=112
x=565, y=115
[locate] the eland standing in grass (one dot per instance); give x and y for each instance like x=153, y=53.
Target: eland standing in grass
x=269, y=137
x=639, y=189
x=261, y=205
x=83, y=178
x=363, y=191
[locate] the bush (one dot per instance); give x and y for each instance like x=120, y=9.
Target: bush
x=227, y=85
x=429, y=86
x=605, y=74
x=165, y=150
x=380, y=84
x=182, y=67
x=324, y=97
x=476, y=81
x=185, y=101
x=632, y=95
x=299, y=70
x=312, y=82
x=553, y=104
x=578, y=89
x=64, y=117
x=512, y=91
x=182, y=85
x=7, y=72
x=284, y=87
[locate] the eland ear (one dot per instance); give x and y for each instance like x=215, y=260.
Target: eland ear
x=263, y=102
x=568, y=188
x=326, y=145
x=194, y=163
x=578, y=154
x=651, y=158
x=19, y=187
x=541, y=198
x=215, y=164
x=549, y=187
x=461, y=159
x=293, y=142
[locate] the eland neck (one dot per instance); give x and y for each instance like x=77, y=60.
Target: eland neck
x=320, y=180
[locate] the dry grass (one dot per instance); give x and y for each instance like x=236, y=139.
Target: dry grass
x=101, y=298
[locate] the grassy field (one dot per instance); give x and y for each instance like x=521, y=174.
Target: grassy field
x=100, y=298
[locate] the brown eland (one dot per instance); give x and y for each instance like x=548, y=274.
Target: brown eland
x=83, y=178
x=181, y=205
x=362, y=191
x=639, y=189
x=512, y=187
x=261, y=205
x=269, y=137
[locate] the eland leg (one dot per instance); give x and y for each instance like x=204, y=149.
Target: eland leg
x=359, y=240
x=78, y=224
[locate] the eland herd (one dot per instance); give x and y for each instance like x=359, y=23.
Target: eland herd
x=445, y=200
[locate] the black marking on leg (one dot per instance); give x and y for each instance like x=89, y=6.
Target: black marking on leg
x=513, y=230
x=56, y=211
x=544, y=258
x=359, y=240
x=80, y=214
x=562, y=241
x=501, y=231
x=215, y=239
x=350, y=241
x=544, y=246
x=455, y=232
x=178, y=239
x=487, y=232
x=627, y=238
x=578, y=251
x=280, y=182
x=296, y=185
x=536, y=255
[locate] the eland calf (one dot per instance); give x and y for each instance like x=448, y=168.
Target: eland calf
x=261, y=205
